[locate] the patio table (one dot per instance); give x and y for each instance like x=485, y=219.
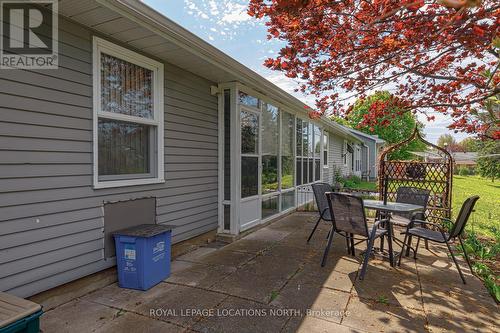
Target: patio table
x=391, y=207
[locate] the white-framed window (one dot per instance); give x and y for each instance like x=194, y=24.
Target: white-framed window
x=308, y=152
x=325, y=149
x=128, y=117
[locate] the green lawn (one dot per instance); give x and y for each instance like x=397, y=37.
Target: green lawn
x=364, y=185
x=487, y=211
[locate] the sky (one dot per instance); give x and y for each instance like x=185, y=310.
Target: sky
x=226, y=25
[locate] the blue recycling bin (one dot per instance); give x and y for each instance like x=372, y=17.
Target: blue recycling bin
x=143, y=255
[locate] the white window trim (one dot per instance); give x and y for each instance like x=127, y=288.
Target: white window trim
x=101, y=45
x=344, y=154
x=325, y=148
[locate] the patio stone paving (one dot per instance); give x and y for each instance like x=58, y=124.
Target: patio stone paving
x=272, y=281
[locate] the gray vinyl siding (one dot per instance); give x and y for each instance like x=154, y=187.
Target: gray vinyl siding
x=372, y=154
x=336, y=151
x=372, y=158
x=51, y=218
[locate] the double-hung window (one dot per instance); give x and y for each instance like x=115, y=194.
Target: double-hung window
x=128, y=117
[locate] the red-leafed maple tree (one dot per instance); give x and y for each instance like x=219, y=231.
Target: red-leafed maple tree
x=431, y=55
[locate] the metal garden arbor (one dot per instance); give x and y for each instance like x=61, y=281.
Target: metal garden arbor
x=435, y=175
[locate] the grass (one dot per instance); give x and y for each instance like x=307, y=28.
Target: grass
x=485, y=220
x=483, y=229
x=364, y=185
x=383, y=300
x=274, y=295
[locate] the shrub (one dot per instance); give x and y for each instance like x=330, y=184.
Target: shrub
x=355, y=179
x=337, y=174
x=463, y=172
x=349, y=183
x=482, y=252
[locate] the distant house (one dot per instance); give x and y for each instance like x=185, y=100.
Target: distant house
x=460, y=159
x=144, y=122
x=468, y=160
x=370, y=150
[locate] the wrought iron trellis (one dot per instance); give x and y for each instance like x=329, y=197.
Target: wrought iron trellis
x=436, y=176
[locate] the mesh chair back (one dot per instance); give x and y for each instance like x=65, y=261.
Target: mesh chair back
x=319, y=190
x=463, y=216
x=412, y=195
x=348, y=213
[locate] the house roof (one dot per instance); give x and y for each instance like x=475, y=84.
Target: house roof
x=470, y=157
x=458, y=157
x=426, y=154
x=144, y=29
x=367, y=136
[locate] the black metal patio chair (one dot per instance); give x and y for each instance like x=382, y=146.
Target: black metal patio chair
x=348, y=214
x=319, y=190
x=415, y=196
x=439, y=235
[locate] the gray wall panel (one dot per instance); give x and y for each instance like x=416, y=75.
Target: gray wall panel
x=51, y=218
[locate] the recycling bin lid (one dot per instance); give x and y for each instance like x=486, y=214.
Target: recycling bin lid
x=144, y=230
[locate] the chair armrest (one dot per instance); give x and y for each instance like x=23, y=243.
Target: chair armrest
x=440, y=218
x=420, y=215
x=439, y=227
x=375, y=227
x=377, y=222
x=427, y=223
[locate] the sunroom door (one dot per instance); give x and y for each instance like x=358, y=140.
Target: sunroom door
x=250, y=206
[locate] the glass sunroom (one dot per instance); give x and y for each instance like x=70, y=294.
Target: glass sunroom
x=268, y=153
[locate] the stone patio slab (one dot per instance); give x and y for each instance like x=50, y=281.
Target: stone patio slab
x=164, y=296
x=121, y=298
x=460, y=311
x=267, y=234
x=444, y=276
x=323, y=278
x=376, y=317
x=335, y=262
x=314, y=325
x=243, y=316
x=271, y=267
x=398, y=287
x=181, y=305
x=250, y=246
x=291, y=252
x=299, y=241
x=131, y=322
x=200, y=275
x=194, y=256
x=249, y=285
x=401, y=293
x=77, y=316
x=314, y=301
x=179, y=265
x=224, y=257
